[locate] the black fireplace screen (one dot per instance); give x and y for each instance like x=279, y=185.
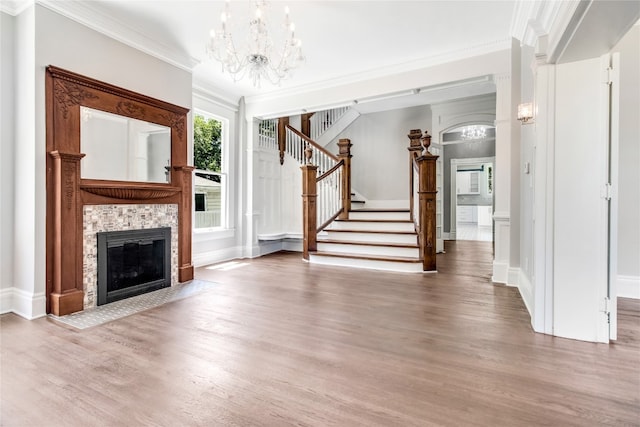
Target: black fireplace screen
x=133, y=262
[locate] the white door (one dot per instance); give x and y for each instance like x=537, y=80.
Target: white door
x=581, y=207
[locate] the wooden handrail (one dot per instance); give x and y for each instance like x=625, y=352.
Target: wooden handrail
x=312, y=143
x=330, y=220
x=330, y=171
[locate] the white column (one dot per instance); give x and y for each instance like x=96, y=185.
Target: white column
x=502, y=179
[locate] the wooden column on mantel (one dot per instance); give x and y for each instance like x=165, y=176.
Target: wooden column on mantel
x=309, y=206
x=183, y=177
x=67, y=294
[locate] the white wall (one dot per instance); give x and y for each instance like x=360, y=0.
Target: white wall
x=28, y=297
x=7, y=143
x=380, y=163
x=45, y=38
x=629, y=165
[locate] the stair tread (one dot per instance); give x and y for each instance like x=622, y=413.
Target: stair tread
x=374, y=220
x=357, y=242
x=370, y=257
x=370, y=231
x=378, y=210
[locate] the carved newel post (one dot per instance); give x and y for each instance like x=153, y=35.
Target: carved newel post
x=344, y=154
x=427, y=190
x=309, y=207
x=415, y=148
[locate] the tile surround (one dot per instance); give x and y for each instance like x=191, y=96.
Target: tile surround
x=99, y=218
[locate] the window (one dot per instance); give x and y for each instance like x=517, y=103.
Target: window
x=209, y=181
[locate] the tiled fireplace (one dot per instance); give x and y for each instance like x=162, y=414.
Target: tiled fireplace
x=101, y=218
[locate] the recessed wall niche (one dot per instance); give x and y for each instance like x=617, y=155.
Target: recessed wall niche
x=69, y=94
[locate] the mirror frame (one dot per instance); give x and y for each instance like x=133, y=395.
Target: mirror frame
x=67, y=192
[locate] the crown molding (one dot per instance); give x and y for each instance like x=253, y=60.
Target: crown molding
x=468, y=52
x=88, y=15
x=216, y=96
x=14, y=7
x=533, y=19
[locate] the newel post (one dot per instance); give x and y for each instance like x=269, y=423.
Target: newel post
x=282, y=137
x=414, y=149
x=427, y=193
x=344, y=154
x=309, y=207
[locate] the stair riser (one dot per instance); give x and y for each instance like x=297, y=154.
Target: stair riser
x=401, y=216
x=369, y=250
x=410, y=239
x=372, y=226
x=370, y=264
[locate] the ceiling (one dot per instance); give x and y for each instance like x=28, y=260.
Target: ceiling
x=341, y=39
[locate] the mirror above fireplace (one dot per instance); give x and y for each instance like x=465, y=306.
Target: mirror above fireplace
x=123, y=148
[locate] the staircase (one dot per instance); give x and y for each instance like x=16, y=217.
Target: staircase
x=337, y=227
x=381, y=239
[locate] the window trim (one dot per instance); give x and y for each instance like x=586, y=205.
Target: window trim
x=224, y=175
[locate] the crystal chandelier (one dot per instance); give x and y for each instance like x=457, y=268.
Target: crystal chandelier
x=256, y=60
x=474, y=132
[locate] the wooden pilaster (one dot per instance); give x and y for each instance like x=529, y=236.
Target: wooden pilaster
x=183, y=177
x=67, y=293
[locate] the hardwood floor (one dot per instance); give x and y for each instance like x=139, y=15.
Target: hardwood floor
x=283, y=342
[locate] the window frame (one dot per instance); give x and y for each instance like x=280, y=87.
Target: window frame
x=224, y=176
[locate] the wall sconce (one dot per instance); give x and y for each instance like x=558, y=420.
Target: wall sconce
x=525, y=112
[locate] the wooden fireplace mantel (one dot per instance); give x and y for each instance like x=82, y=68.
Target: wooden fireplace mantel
x=67, y=192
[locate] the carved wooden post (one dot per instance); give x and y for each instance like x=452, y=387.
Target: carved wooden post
x=414, y=147
x=309, y=207
x=282, y=136
x=183, y=177
x=427, y=192
x=67, y=291
x=305, y=124
x=344, y=153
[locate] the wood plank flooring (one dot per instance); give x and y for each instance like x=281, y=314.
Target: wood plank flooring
x=282, y=342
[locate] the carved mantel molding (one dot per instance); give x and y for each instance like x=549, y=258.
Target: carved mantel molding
x=67, y=192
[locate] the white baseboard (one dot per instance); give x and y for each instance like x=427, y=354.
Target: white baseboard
x=292, y=245
x=513, y=276
x=628, y=286
x=526, y=291
x=500, y=272
x=25, y=304
x=220, y=255
x=6, y=300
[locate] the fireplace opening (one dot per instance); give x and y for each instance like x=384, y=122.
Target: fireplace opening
x=133, y=262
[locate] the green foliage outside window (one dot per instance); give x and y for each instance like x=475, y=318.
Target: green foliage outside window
x=207, y=145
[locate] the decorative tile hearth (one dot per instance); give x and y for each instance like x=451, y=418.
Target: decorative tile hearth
x=116, y=310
